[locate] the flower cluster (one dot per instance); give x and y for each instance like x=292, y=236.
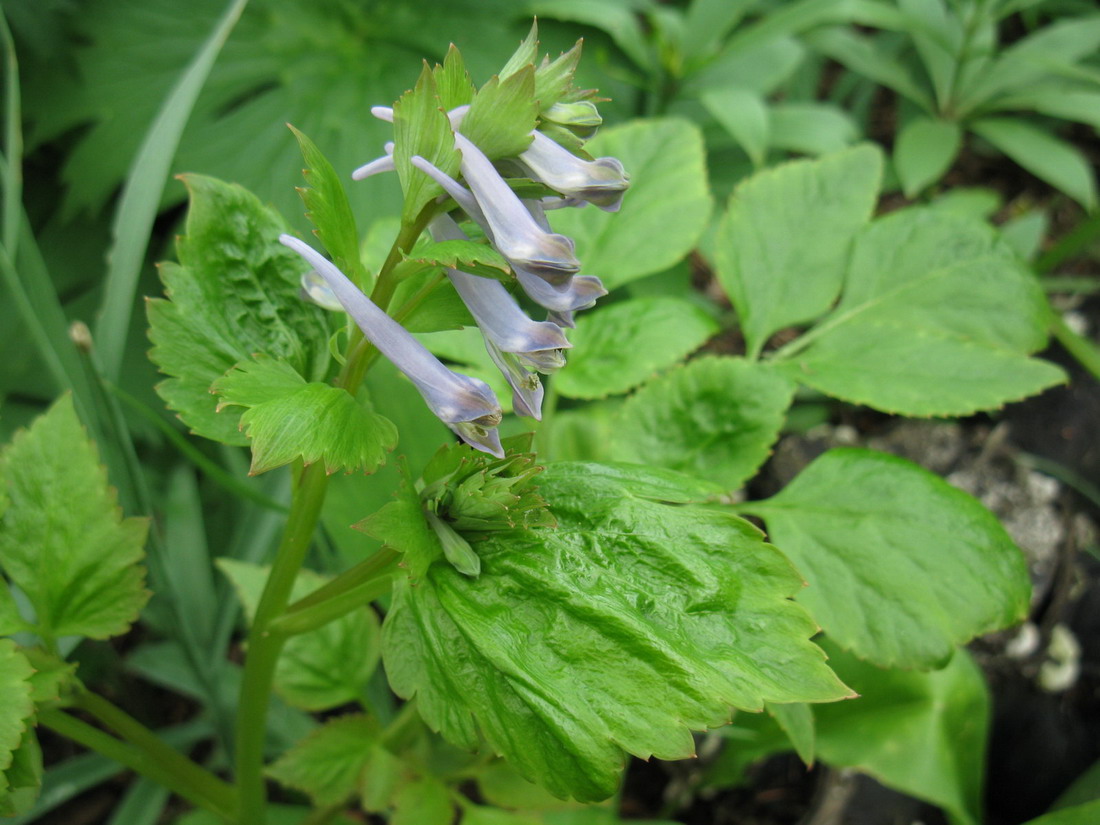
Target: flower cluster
x=543, y=263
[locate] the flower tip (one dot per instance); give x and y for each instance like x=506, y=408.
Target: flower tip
x=382, y=113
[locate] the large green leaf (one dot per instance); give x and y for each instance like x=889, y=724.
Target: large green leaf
x=923, y=151
x=901, y=566
x=782, y=246
x=921, y=733
x=715, y=418
x=233, y=294
x=317, y=65
x=663, y=214
x=617, y=348
x=323, y=668
x=937, y=318
x=16, y=708
x=63, y=540
x=287, y=419
x=327, y=764
x=639, y=618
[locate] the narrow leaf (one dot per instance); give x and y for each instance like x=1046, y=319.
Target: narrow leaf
x=328, y=763
x=924, y=150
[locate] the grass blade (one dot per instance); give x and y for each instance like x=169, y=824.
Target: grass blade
x=142, y=192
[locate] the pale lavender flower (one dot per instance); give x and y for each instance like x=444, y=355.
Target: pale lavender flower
x=376, y=166
x=516, y=235
x=601, y=182
x=466, y=405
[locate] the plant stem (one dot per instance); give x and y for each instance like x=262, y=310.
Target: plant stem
x=1082, y=349
x=153, y=759
x=264, y=647
x=305, y=619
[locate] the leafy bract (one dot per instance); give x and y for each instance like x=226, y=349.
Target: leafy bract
x=322, y=668
x=921, y=733
x=901, y=566
x=16, y=708
x=617, y=348
x=287, y=419
x=233, y=294
x=715, y=418
x=328, y=763
x=503, y=115
x=421, y=127
x=330, y=211
x=641, y=617
x=937, y=318
x=467, y=256
x=783, y=244
x=63, y=540
x=663, y=214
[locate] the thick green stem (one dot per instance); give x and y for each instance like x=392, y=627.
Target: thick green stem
x=380, y=564
x=264, y=647
x=144, y=753
x=1086, y=352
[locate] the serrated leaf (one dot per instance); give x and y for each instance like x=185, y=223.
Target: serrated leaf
x=467, y=256
x=924, y=151
x=233, y=294
x=23, y=777
x=678, y=612
x=328, y=763
x=287, y=419
x=16, y=708
x=936, y=318
x=322, y=668
x=503, y=115
x=901, y=566
x=715, y=418
x=663, y=214
x=453, y=81
x=554, y=80
x=1059, y=163
x=330, y=211
x=11, y=622
x=64, y=542
x=52, y=676
x=421, y=127
x=921, y=733
x=618, y=347
x=782, y=245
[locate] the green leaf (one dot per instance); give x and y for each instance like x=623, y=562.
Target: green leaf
x=500, y=785
x=663, y=214
x=287, y=419
x=16, y=708
x=797, y=721
x=783, y=244
x=453, y=81
x=864, y=55
x=328, y=763
x=480, y=815
x=811, y=128
x=22, y=779
x=743, y=114
x=503, y=115
x=233, y=294
x=715, y=418
x=1057, y=162
x=1085, y=814
x=921, y=733
x=638, y=599
x=902, y=567
x=423, y=802
x=467, y=256
x=276, y=815
x=329, y=210
x=323, y=668
x=936, y=318
x=924, y=150
x=64, y=542
x=421, y=127
x=428, y=302
x=618, y=347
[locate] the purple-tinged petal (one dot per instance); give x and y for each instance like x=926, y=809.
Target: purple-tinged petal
x=316, y=290
x=580, y=292
x=466, y=405
x=601, y=181
x=462, y=196
x=563, y=319
x=516, y=235
x=382, y=113
x=527, y=389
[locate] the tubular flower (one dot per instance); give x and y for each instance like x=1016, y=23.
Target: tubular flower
x=466, y=405
x=601, y=181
